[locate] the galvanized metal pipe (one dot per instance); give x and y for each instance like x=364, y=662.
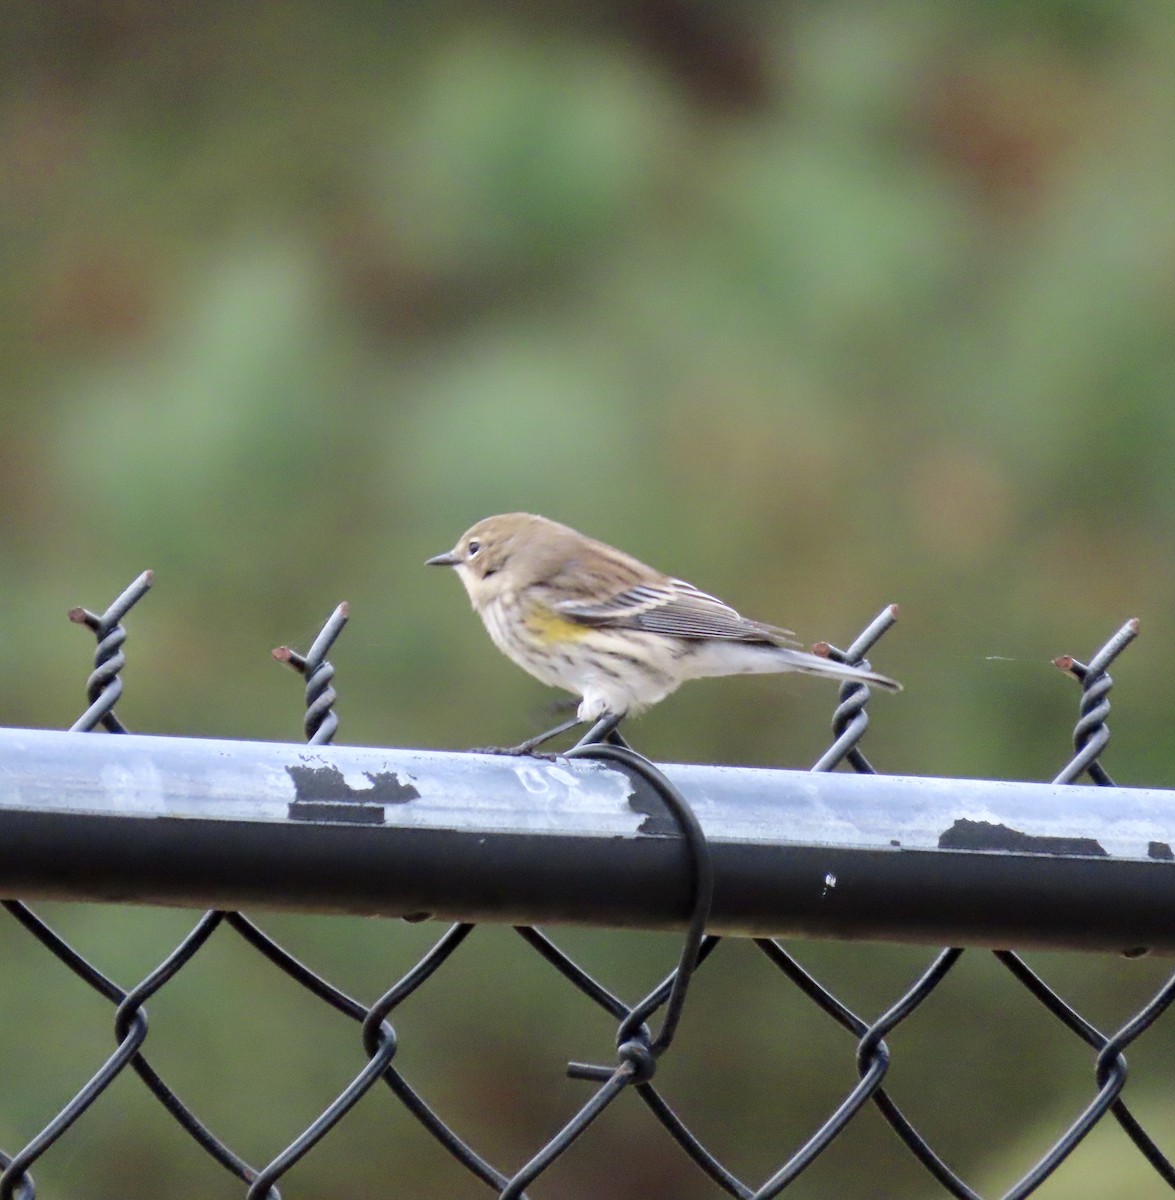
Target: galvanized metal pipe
x=220, y=824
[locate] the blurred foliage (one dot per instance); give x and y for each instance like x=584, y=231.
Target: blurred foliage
x=823, y=306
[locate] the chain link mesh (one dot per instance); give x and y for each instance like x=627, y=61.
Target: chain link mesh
x=639, y=1047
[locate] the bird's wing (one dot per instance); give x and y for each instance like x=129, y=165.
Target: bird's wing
x=673, y=607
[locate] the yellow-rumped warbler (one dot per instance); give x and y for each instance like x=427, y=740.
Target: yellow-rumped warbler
x=583, y=616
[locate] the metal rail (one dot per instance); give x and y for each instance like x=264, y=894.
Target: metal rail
x=226, y=824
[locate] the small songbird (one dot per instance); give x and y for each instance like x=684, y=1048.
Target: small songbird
x=583, y=616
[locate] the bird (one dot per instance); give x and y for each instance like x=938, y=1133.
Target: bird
x=581, y=615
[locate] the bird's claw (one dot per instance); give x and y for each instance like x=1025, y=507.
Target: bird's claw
x=522, y=750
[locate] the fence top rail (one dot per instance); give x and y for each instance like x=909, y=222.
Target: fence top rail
x=399, y=832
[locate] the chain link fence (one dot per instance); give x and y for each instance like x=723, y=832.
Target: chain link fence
x=693, y=894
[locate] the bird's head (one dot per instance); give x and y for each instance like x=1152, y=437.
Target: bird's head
x=500, y=554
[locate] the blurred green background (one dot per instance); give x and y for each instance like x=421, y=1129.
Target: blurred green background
x=822, y=306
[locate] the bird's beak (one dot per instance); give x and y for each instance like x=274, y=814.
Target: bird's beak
x=449, y=559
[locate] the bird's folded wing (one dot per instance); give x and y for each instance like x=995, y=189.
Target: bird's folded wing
x=675, y=608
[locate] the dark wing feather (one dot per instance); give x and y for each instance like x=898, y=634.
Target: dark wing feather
x=675, y=608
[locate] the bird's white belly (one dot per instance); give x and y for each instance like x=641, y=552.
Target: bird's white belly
x=612, y=672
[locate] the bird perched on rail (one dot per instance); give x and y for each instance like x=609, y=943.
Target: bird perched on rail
x=580, y=615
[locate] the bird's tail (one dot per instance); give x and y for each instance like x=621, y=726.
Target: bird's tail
x=814, y=664
x=716, y=657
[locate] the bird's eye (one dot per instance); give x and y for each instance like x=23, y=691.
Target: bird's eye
x=474, y=547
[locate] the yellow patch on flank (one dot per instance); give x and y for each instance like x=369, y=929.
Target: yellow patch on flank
x=550, y=628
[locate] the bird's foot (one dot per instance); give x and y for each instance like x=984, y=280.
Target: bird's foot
x=531, y=745
x=602, y=730
x=527, y=749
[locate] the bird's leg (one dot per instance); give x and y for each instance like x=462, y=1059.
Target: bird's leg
x=532, y=743
x=606, y=729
